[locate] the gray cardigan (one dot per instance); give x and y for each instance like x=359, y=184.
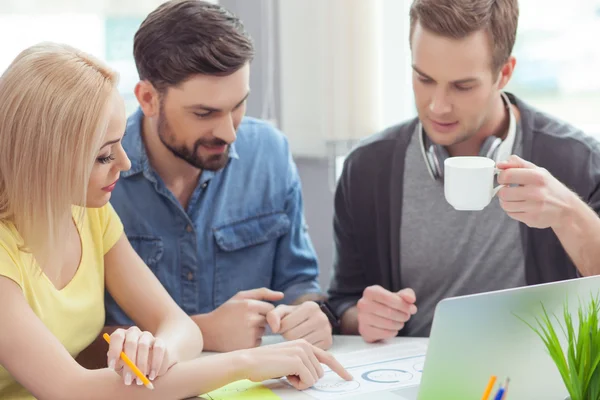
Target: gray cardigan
x=368, y=202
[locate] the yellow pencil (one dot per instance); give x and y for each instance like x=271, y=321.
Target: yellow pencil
x=488, y=389
x=132, y=366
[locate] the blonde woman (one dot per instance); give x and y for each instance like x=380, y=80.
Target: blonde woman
x=61, y=124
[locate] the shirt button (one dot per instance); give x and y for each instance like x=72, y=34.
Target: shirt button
x=204, y=185
x=188, y=228
x=190, y=276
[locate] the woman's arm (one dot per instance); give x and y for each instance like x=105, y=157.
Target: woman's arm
x=141, y=295
x=39, y=362
x=94, y=356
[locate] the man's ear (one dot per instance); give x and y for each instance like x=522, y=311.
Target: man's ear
x=148, y=98
x=506, y=72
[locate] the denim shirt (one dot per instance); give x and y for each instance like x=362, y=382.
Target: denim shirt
x=244, y=227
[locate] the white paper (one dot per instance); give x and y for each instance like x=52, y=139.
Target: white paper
x=384, y=368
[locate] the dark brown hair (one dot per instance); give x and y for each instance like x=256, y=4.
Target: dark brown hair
x=182, y=38
x=459, y=18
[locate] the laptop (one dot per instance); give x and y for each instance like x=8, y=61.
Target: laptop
x=476, y=336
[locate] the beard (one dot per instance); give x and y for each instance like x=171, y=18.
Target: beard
x=213, y=162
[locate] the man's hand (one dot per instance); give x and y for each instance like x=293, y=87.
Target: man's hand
x=539, y=201
x=382, y=314
x=240, y=322
x=305, y=321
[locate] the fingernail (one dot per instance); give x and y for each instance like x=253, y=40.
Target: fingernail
x=139, y=381
x=152, y=375
x=111, y=364
x=128, y=379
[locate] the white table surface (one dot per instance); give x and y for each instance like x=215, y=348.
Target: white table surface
x=341, y=344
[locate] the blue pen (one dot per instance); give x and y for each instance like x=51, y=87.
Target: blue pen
x=502, y=390
x=499, y=394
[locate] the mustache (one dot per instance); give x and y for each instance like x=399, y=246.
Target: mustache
x=210, y=143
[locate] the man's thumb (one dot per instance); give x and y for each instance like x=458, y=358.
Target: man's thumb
x=263, y=293
x=275, y=316
x=408, y=295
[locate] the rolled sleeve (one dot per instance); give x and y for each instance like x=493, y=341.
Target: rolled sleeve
x=292, y=293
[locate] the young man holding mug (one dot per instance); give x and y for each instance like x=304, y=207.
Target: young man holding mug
x=400, y=244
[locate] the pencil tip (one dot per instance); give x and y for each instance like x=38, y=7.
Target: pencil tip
x=150, y=386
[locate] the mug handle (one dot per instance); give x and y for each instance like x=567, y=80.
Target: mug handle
x=497, y=188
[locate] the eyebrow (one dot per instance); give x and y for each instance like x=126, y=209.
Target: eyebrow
x=212, y=109
x=110, y=142
x=459, y=82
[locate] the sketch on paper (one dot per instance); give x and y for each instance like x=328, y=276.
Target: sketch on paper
x=373, y=370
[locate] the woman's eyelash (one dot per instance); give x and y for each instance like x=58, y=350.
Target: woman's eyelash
x=106, y=160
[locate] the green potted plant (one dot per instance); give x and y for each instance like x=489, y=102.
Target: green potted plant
x=579, y=361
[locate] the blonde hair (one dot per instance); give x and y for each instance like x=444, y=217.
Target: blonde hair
x=53, y=117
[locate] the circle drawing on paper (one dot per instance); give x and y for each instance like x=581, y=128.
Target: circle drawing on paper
x=418, y=367
x=387, y=376
x=334, y=384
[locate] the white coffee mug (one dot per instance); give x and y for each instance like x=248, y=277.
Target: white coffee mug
x=469, y=182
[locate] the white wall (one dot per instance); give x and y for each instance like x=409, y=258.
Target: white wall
x=344, y=70
x=303, y=75
x=397, y=94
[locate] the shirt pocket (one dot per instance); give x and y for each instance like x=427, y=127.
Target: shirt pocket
x=149, y=248
x=246, y=251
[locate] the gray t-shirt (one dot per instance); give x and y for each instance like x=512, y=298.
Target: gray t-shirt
x=449, y=253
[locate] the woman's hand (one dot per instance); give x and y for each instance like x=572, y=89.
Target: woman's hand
x=298, y=360
x=148, y=353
